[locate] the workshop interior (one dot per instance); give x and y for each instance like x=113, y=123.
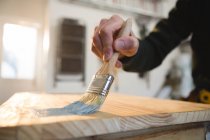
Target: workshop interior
x=46, y=47
x=46, y=63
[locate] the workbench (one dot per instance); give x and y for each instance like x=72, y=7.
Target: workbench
x=120, y=117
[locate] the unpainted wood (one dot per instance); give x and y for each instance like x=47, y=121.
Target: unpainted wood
x=29, y=133
x=189, y=134
x=157, y=132
x=8, y=133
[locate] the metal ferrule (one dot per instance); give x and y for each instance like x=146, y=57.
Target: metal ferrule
x=100, y=84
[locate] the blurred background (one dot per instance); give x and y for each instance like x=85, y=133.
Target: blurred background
x=45, y=46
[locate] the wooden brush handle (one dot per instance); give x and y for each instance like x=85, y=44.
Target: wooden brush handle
x=124, y=31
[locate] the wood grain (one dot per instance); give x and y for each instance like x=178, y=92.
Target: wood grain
x=193, y=131
x=120, y=113
x=189, y=134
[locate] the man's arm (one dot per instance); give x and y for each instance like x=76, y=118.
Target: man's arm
x=167, y=34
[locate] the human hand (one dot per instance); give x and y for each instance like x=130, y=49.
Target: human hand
x=105, y=42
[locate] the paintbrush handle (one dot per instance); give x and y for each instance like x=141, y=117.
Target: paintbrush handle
x=124, y=31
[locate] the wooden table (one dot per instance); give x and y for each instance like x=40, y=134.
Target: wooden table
x=121, y=117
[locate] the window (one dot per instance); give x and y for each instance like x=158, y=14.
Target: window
x=19, y=50
x=70, y=58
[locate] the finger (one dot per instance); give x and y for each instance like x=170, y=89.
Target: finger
x=96, y=42
x=106, y=34
x=127, y=46
x=96, y=39
x=98, y=53
x=103, y=21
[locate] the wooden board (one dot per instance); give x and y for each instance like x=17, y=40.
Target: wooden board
x=119, y=113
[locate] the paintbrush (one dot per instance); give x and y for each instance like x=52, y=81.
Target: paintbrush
x=99, y=87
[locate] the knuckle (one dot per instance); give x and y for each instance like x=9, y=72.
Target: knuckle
x=103, y=21
x=104, y=32
x=107, y=50
x=116, y=17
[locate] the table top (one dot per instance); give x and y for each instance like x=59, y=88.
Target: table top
x=118, y=113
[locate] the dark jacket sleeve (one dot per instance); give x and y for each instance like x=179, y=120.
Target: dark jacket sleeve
x=166, y=35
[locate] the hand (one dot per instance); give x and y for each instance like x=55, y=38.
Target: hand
x=105, y=42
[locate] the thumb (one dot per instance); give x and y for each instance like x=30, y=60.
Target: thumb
x=127, y=46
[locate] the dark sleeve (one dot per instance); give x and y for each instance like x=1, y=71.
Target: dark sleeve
x=167, y=34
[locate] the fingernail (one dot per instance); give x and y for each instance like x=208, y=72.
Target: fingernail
x=106, y=56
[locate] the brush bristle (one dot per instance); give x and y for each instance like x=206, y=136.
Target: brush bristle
x=88, y=104
x=90, y=98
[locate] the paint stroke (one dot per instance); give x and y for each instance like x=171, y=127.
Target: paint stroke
x=76, y=108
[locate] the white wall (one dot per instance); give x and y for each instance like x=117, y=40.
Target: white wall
x=167, y=5
x=129, y=83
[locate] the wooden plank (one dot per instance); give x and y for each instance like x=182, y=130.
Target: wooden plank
x=174, y=132
x=29, y=133
x=188, y=134
x=119, y=113
x=8, y=133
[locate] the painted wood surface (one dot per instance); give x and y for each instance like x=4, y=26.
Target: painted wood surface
x=119, y=113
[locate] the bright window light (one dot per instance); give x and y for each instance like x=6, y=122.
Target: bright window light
x=19, y=50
